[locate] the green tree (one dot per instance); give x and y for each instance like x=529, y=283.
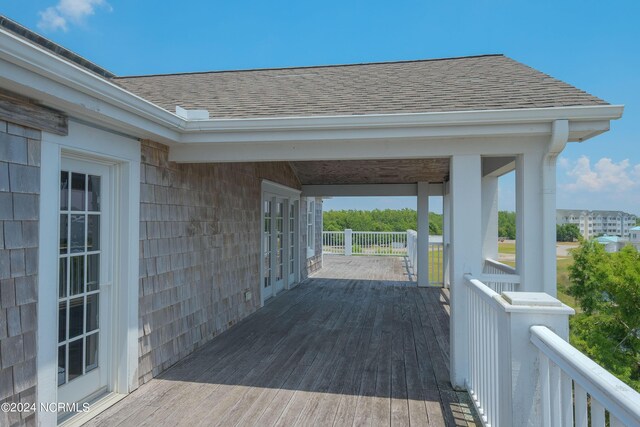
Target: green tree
x=567, y=232
x=607, y=287
x=507, y=224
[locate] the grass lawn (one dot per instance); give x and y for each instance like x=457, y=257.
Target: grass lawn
x=507, y=248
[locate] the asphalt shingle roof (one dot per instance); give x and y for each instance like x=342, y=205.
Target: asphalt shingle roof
x=454, y=84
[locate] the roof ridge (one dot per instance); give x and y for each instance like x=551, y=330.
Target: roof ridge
x=306, y=67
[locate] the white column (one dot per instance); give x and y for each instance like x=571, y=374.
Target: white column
x=466, y=255
x=490, y=217
x=446, y=233
x=423, y=234
x=529, y=229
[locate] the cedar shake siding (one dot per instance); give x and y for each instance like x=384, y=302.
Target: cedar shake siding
x=19, y=213
x=200, y=231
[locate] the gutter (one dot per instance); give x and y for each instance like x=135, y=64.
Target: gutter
x=557, y=143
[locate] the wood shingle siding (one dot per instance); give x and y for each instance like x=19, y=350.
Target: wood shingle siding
x=199, y=251
x=19, y=215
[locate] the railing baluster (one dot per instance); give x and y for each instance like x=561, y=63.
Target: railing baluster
x=580, y=406
x=554, y=394
x=544, y=390
x=597, y=413
x=566, y=400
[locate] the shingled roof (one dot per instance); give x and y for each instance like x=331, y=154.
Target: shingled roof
x=486, y=82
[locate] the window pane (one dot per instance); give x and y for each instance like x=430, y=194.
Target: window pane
x=93, y=272
x=75, y=359
x=62, y=356
x=93, y=233
x=93, y=194
x=62, y=321
x=64, y=233
x=76, y=317
x=77, y=191
x=64, y=191
x=77, y=233
x=92, y=312
x=77, y=275
x=62, y=279
x=92, y=353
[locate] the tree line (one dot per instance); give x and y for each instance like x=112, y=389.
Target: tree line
x=379, y=220
x=407, y=219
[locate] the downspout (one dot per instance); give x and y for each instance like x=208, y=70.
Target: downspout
x=557, y=143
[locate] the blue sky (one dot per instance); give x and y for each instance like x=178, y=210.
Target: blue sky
x=593, y=45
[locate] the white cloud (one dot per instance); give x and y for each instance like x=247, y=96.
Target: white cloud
x=604, y=176
x=67, y=12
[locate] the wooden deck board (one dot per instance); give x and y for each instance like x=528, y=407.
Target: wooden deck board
x=356, y=344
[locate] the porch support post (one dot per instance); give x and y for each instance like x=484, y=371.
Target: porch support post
x=446, y=233
x=489, y=217
x=529, y=230
x=423, y=234
x=466, y=255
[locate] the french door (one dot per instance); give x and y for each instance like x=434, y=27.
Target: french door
x=83, y=281
x=280, y=243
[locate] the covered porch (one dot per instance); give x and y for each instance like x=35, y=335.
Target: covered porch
x=354, y=344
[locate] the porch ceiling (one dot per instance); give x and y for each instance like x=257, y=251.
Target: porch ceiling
x=391, y=171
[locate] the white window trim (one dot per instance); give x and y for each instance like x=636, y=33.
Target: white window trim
x=311, y=237
x=123, y=155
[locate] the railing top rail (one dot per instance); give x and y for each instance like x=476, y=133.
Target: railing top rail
x=617, y=397
x=485, y=292
x=379, y=232
x=500, y=266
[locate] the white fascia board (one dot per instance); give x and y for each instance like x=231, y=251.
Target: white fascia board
x=79, y=90
x=587, y=121
x=504, y=116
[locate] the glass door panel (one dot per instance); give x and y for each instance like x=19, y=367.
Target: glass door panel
x=81, y=309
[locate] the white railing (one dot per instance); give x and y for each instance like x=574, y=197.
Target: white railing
x=521, y=372
x=567, y=377
x=500, y=277
x=379, y=243
x=487, y=383
x=436, y=258
x=333, y=242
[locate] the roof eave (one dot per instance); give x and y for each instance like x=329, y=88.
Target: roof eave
x=80, y=93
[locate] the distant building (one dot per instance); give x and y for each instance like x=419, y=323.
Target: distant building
x=634, y=237
x=594, y=223
x=612, y=243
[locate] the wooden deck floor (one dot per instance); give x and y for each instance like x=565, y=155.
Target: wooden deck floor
x=356, y=350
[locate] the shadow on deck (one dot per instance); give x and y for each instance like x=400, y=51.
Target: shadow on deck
x=357, y=350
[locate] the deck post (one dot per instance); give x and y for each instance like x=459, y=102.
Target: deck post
x=466, y=255
x=529, y=225
x=348, y=242
x=423, y=234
